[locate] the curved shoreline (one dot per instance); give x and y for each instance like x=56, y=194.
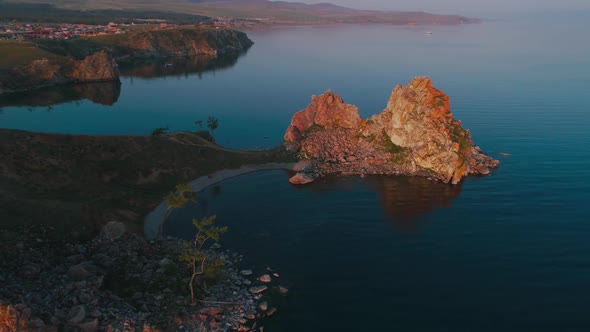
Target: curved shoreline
x=154, y=221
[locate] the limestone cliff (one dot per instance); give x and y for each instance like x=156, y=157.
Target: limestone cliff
x=414, y=135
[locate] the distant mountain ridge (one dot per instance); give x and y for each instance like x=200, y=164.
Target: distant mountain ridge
x=263, y=11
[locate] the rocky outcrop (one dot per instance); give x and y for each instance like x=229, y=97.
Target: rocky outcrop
x=95, y=59
x=327, y=111
x=178, y=42
x=97, y=67
x=414, y=135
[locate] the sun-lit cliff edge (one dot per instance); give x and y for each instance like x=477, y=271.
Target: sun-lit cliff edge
x=414, y=135
x=96, y=59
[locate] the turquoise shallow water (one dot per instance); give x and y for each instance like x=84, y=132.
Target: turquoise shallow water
x=508, y=252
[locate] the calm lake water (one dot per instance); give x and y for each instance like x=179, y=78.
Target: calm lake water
x=508, y=252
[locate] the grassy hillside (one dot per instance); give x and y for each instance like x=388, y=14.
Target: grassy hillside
x=187, y=41
x=61, y=179
x=48, y=13
x=268, y=12
x=15, y=53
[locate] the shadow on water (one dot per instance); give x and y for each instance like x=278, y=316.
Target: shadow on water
x=103, y=93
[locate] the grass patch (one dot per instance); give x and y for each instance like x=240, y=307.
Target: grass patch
x=15, y=53
x=458, y=135
x=314, y=128
x=371, y=138
x=387, y=145
x=440, y=100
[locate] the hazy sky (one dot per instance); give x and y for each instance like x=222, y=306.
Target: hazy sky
x=462, y=6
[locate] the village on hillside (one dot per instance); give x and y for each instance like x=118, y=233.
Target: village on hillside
x=65, y=31
x=55, y=31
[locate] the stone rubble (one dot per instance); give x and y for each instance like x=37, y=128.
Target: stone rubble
x=119, y=282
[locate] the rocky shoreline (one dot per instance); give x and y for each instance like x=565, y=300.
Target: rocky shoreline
x=96, y=59
x=414, y=135
x=118, y=281
x=97, y=67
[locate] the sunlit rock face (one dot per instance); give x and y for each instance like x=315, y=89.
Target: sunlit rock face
x=98, y=67
x=414, y=135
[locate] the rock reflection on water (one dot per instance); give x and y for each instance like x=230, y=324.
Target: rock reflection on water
x=107, y=93
x=104, y=93
x=406, y=199
x=181, y=66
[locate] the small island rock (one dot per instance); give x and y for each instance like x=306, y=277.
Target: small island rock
x=414, y=135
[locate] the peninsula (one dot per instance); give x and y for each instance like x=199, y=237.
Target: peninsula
x=43, y=63
x=414, y=135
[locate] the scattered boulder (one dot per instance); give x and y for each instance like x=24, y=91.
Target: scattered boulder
x=29, y=271
x=271, y=311
x=263, y=306
x=301, y=178
x=78, y=272
x=283, y=290
x=302, y=165
x=90, y=325
x=165, y=262
x=246, y=273
x=265, y=278
x=76, y=315
x=37, y=323
x=257, y=289
x=113, y=230
x=211, y=311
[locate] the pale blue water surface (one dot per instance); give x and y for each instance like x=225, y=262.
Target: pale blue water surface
x=508, y=252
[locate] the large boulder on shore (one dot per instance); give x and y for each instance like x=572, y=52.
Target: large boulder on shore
x=414, y=135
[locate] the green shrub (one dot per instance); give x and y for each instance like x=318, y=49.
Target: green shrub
x=160, y=131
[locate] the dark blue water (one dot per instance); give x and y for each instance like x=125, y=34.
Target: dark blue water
x=385, y=253
x=508, y=252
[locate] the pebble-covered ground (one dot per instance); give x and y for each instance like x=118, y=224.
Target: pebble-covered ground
x=120, y=282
